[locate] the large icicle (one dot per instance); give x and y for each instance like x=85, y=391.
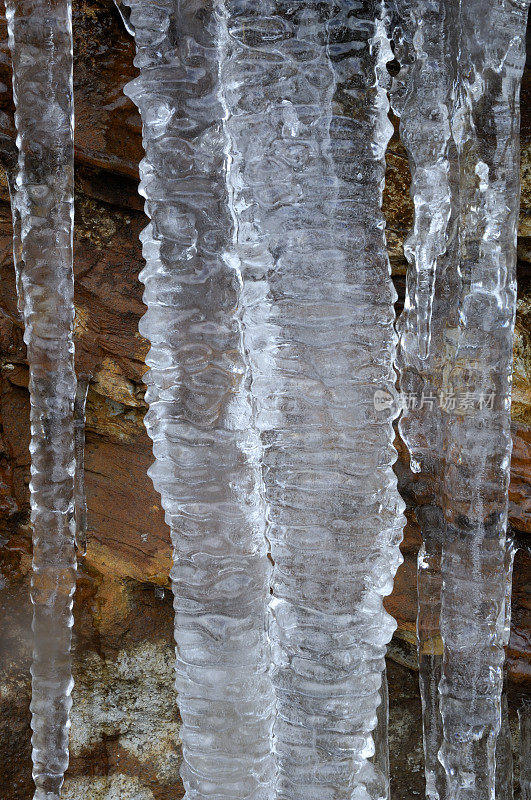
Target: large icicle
x=458, y=97
x=207, y=466
x=309, y=127
x=40, y=39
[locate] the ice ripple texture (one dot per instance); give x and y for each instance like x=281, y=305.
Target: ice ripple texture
x=458, y=97
x=200, y=417
x=307, y=122
x=265, y=129
x=40, y=40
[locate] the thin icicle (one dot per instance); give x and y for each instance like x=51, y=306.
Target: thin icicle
x=10, y=166
x=504, y=744
x=307, y=175
x=504, y=755
x=125, y=13
x=17, y=240
x=40, y=39
x=420, y=97
x=200, y=416
x=381, y=735
x=524, y=718
x=81, y=514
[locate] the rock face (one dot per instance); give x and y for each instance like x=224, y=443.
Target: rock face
x=125, y=724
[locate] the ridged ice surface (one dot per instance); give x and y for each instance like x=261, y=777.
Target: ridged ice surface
x=308, y=126
x=457, y=94
x=40, y=39
x=200, y=417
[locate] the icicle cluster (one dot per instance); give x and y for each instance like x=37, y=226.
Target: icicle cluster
x=308, y=126
x=40, y=39
x=457, y=94
x=271, y=383
x=207, y=452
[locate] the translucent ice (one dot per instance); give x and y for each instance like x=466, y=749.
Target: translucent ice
x=457, y=94
x=40, y=39
x=307, y=120
x=200, y=416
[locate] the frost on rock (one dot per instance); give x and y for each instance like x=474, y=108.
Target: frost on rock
x=40, y=39
x=457, y=94
x=308, y=127
x=200, y=416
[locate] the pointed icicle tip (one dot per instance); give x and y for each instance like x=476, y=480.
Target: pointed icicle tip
x=125, y=13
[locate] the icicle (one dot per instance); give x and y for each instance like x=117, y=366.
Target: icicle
x=125, y=13
x=381, y=735
x=485, y=127
x=306, y=176
x=420, y=97
x=200, y=416
x=17, y=240
x=40, y=39
x=524, y=718
x=80, y=403
x=429, y=647
x=504, y=755
x=470, y=56
x=421, y=101
x=9, y=158
x=504, y=745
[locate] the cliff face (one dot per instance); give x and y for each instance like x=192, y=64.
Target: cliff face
x=125, y=725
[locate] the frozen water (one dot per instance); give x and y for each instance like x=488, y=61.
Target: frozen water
x=307, y=122
x=457, y=94
x=40, y=39
x=200, y=416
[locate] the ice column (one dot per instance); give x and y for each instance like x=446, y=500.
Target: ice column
x=40, y=39
x=381, y=735
x=308, y=123
x=200, y=416
x=464, y=60
x=485, y=127
x=421, y=97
